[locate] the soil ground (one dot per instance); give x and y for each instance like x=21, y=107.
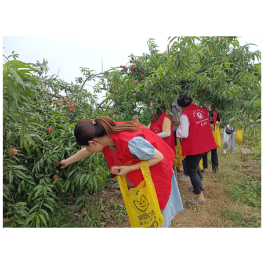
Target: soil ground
x=212, y=214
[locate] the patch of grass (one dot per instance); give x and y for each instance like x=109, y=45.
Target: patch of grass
x=238, y=219
x=247, y=191
x=112, y=209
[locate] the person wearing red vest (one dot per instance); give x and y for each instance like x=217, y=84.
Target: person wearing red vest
x=214, y=119
x=197, y=139
x=161, y=124
x=133, y=143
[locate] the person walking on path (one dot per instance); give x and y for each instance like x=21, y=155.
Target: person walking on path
x=229, y=134
x=197, y=139
x=214, y=119
x=133, y=143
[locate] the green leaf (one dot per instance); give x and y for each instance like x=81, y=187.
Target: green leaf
x=26, y=145
x=45, y=212
x=33, y=208
x=21, y=167
x=78, y=207
x=18, y=78
x=37, y=221
x=48, y=206
x=21, y=203
x=181, y=52
x=43, y=219
x=13, y=91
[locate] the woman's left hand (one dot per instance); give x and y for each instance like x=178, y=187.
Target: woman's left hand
x=124, y=170
x=217, y=122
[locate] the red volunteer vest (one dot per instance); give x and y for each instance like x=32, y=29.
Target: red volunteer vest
x=161, y=173
x=156, y=127
x=200, y=139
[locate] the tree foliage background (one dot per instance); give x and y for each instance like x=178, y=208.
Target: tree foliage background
x=214, y=70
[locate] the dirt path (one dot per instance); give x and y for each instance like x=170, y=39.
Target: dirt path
x=232, y=168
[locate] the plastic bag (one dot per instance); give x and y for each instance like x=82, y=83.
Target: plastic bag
x=216, y=134
x=239, y=136
x=178, y=157
x=201, y=164
x=141, y=202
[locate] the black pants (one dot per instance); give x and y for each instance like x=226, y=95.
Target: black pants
x=214, y=159
x=192, y=163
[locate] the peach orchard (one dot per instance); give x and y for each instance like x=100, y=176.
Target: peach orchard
x=41, y=111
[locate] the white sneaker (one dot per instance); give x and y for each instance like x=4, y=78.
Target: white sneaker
x=224, y=150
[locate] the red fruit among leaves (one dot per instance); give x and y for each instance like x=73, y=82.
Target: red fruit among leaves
x=58, y=104
x=4, y=219
x=154, y=88
x=57, y=164
x=64, y=100
x=142, y=71
x=67, y=114
x=221, y=39
x=105, y=89
x=135, y=91
x=5, y=169
x=56, y=177
x=13, y=152
x=136, y=81
x=85, y=168
x=139, y=62
x=132, y=58
x=111, y=80
x=205, y=88
x=50, y=129
x=72, y=109
x=142, y=76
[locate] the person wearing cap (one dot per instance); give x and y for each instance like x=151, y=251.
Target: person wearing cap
x=214, y=119
x=197, y=139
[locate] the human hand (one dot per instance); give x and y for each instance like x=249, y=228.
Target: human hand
x=114, y=170
x=217, y=122
x=122, y=170
x=135, y=118
x=177, y=123
x=64, y=164
x=212, y=127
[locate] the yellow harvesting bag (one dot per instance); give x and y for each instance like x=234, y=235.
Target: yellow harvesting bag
x=216, y=134
x=239, y=136
x=201, y=164
x=141, y=202
x=178, y=157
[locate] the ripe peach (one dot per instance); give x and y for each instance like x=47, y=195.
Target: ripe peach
x=57, y=164
x=67, y=114
x=49, y=129
x=85, y=168
x=13, y=152
x=58, y=104
x=64, y=100
x=136, y=81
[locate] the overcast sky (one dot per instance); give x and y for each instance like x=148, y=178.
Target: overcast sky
x=67, y=54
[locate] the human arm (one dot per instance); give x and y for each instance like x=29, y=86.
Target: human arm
x=141, y=149
x=183, y=129
x=166, y=128
x=135, y=119
x=124, y=170
x=81, y=154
